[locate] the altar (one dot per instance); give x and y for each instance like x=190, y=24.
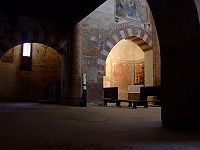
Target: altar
x=134, y=91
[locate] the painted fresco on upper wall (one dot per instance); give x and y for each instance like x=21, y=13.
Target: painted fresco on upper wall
x=143, y=10
x=132, y=9
x=121, y=8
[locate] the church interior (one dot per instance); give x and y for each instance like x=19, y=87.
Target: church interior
x=58, y=58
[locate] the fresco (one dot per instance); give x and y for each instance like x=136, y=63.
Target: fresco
x=120, y=8
x=132, y=9
x=139, y=72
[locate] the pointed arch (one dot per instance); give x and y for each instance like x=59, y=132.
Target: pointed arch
x=142, y=38
x=12, y=36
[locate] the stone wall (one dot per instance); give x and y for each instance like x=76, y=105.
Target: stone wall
x=27, y=29
x=103, y=29
x=197, y=2
x=19, y=85
x=15, y=31
x=7, y=75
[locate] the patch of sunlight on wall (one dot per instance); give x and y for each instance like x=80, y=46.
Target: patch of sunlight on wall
x=126, y=50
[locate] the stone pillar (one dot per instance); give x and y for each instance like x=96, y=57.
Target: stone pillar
x=64, y=77
x=198, y=7
x=178, y=31
x=156, y=54
x=75, y=71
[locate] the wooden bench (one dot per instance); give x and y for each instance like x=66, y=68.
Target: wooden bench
x=110, y=100
x=117, y=101
x=150, y=91
x=145, y=103
x=111, y=96
x=131, y=103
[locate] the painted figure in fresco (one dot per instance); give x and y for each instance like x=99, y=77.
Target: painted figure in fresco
x=147, y=27
x=131, y=9
x=120, y=8
x=142, y=10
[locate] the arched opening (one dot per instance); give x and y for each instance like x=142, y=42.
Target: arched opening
x=124, y=67
x=178, y=29
x=98, y=40
x=129, y=66
x=30, y=78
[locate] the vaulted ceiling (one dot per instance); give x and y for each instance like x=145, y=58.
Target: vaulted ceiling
x=64, y=11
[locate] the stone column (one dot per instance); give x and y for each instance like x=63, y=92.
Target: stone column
x=64, y=77
x=75, y=71
x=198, y=7
x=156, y=54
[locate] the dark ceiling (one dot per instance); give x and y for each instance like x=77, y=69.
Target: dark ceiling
x=64, y=11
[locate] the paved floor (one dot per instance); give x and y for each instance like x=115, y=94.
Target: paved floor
x=55, y=127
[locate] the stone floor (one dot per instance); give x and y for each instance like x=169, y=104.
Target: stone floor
x=32, y=126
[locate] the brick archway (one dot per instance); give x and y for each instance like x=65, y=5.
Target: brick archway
x=31, y=30
x=142, y=38
x=34, y=33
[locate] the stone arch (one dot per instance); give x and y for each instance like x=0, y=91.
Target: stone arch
x=34, y=36
x=141, y=43
x=12, y=36
x=32, y=30
x=124, y=31
x=174, y=38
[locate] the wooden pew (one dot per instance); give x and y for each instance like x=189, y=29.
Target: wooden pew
x=149, y=91
x=111, y=96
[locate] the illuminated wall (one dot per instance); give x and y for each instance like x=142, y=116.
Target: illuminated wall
x=120, y=66
x=19, y=85
x=148, y=69
x=104, y=28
